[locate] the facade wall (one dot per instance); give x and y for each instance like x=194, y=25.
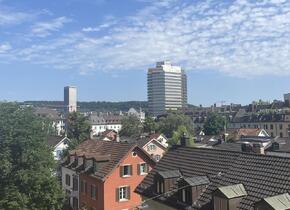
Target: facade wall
x=274, y=129
x=58, y=150
x=115, y=181
x=158, y=151
x=69, y=188
x=70, y=99
x=85, y=196
x=98, y=129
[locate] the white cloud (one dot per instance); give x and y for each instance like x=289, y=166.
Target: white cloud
x=8, y=17
x=240, y=38
x=5, y=47
x=43, y=29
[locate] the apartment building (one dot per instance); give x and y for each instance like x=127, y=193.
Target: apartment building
x=108, y=174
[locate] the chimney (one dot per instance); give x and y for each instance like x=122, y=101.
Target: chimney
x=184, y=141
x=118, y=137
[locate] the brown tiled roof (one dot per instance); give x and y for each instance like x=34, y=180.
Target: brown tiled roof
x=110, y=152
x=141, y=142
x=54, y=140
x=262, y=175
x=238, y=133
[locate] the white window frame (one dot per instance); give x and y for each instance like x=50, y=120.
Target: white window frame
x=124, y=193
x=140, y=166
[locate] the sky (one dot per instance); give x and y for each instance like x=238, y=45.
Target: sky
x=233, y=50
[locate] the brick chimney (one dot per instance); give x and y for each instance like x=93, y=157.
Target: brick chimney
x=184, y=141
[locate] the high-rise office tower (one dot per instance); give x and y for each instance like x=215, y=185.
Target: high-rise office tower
x=70, y=99
x=167, y=88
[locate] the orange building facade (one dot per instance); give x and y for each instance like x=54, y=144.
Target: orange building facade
x=116, y=190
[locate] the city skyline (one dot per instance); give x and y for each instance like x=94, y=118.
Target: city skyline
x=239, y=48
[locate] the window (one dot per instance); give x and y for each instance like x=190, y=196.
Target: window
x=134, y=154
x=281, y=126
x=58, y=153
x=67, y=180
x=271, y=127
x=157, y=157
x=124, y=193
x=126, y=170
x=75, y=184
x=151, y=147
x=281, y=135
x=82, y=186
x=143, y=168
x=93, y=192
x=75, y=203
x=160, y=186
x=85, y=187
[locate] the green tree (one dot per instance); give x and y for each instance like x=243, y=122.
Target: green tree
x=177, y=135
x=131, y=126
x=26, y=162
x=167, y=125
x=78, y=127
x=214, y=124
x=149, y=125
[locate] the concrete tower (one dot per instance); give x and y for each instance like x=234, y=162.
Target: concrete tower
x=167, y=88
x=70, y=99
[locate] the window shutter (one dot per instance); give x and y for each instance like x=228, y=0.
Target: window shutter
x=139, y=169
x=121, y=171
x=146, y=168
x=117, y=194
x=128, y=192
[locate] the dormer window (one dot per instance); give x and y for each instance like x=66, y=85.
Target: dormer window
x=281, y=202
x=165, y=180
x=191, y=188
x=228, y=197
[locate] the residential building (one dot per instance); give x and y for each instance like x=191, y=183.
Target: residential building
x=102, y=122
x=56, y=118
x=108, y=171
x=273, y=124
x=70, y=99
x=161, y=138
x=109, y=135
x=59, y=144
x=212, y=179
x=70, y=180
x=153, y=147
x=140, y=115
x=167, y=88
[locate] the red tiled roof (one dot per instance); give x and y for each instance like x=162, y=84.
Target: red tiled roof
x=109, y=151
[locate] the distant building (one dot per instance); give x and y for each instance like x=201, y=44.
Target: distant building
x=59, y=144
x=287, y=99
x=140, y=115
x=167, y=88
x=70, y=99
x=56, y=118
x=102, y=122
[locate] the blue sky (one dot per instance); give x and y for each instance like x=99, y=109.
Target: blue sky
x=233, y=50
